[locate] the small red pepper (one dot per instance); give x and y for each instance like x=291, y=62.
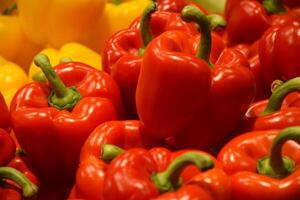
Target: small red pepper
x=123, y=53
x=263, y=165
x=278, y=52
x=91, y=171
x=247, y=20
x=153, y=181
x=4, y=114
x=52, y=120
x=277, y=112
x=185, y=96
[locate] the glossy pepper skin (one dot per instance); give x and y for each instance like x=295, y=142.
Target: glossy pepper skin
x=5, y=115
x=12, y=35
x=12, y=77
x=273, y=48
x=70, y=51
x=248, y=19
x=262, y=90
x=123, y=60
x=189, y=95
x=63, y=118
x=55, y=20
x=158, y=179
x=91, y=170
x=280, y=111
x=245, y=155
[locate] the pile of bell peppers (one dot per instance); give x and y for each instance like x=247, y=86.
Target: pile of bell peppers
x=150, y=99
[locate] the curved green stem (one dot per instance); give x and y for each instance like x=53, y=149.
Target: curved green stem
x=274, y=6
x=277, y=97
x=275, y=84
x=169, y=179
x=145, y=25
x=276, y=165
x=216, y=22
x=109, y=152
x=61, y=97
x=9, y=9
x=29, y=189
x=116, y=2
x=193, y=14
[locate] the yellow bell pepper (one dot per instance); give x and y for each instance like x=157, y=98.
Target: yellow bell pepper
x=14, y=45
x=56, y=22
x=74, y=51
x=117, y=15
x=12, y=77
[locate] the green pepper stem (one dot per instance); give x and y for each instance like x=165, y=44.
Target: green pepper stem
x=10, y=9
x=61, y=97
x=145, y=23
x=278, y=166
x=29, y=189
x=275, y=84
x=278, y=95
x=109, y=152
x=169, y=179
x=193, y=14
x=216, y=22
x=116, y=2
x=274, y=6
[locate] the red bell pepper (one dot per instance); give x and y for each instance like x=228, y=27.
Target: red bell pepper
x=153, y=181
x=247, y=20
x=52, y=120
x=7, y=148
x=263, y=165
x=4, y=114
x=123, y=53
x=91, y=171
x=277, y=112
x=278, y=52
x=184, y=96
